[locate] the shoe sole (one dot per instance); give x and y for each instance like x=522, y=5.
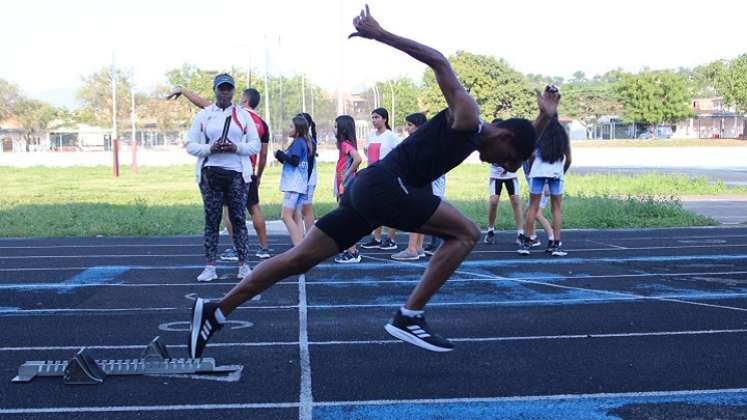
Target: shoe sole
x=389, y=248
x=370, y=246
x=559, y=254
x=349, y=261
x=215, y=277
x=262, y=256
x=407, y=338
x=229, y=258
x=430, y=253
x=522, y=252
x=415, y=258
x=239, y=276
x=194, y=328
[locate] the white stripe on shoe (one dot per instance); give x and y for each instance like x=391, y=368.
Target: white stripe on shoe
x=409, y=338
x=195, y=328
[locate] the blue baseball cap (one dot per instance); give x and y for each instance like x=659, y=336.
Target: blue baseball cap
x=223, y=78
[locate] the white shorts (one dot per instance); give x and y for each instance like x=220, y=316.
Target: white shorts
x=293, y=200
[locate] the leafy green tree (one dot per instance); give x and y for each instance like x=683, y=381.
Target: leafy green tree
x=34, y=116
x=501, y=91
x=9, y=97
x=406, y=98
x=653, y=97
x=96, y=98
x=732, y=83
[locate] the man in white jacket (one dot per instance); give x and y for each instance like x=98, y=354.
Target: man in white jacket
x=222, y=137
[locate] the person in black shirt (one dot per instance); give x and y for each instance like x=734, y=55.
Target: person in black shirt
x=396, y=192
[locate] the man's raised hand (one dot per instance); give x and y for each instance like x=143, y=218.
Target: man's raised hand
x=175, y=93
x=366, y=26
x=549, y=100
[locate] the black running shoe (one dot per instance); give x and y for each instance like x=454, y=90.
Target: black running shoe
x=372, y=244
x=388, y=245
x=550, y=247
x=490, y=237
x=415, y=330
x=203, y=326
x=533, y=242
x=229, y=254
x=558, y=250
x=524, y=247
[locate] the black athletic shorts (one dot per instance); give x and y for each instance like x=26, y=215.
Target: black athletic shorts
x=377, y=197
x=253, y=194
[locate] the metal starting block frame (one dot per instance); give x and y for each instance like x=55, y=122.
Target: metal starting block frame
x=83, y=369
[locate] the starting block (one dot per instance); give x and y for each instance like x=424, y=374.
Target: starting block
x=83, y=369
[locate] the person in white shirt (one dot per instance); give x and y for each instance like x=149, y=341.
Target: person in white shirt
x=500, y=178
x=222, y=137
x=550, y=162
x=379, y=143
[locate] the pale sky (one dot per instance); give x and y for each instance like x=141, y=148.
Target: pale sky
x=46, y=46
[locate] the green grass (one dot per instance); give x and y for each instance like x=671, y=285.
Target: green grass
x=166, y=201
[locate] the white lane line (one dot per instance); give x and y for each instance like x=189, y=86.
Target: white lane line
x=148, y=245
x=305, y=397
x=606, y=244
x=135, y=408
x=614, y=297
x=586, y=289
x=278, y=405
x=383, y=282
x=608, y=248
x=366, y=342
x=677, y=393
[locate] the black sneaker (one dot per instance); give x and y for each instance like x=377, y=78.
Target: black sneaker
x=348, y=257
x=533, y=242
x=558, y=250
x=430, y=249
x=490, y=237
x=524, y=247
x=550, y=247
x=263, y=253
x=203, y=326
x=373, y=243
x=415, y=330
x=229, y=254
x=388, y=245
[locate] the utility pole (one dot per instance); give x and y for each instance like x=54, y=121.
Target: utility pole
x=393, y=120
x=303, y=93
x=133, y=117
x=115, y=141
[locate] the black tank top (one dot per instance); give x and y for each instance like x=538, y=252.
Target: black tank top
x=431, y=151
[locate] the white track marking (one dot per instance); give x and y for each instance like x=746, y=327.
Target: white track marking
x=280, y=405
x=368, y=342
x=306, y=399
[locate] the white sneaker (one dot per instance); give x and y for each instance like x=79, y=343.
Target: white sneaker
x=244, y=271
x=208, y=274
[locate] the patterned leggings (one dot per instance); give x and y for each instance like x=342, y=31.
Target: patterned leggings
x=218, y=189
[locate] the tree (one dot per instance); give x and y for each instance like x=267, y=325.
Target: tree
x=34, y=116
x=501, y=91
x=96, y=98
x=406, y=98
x=579, y=77
x=652, y=97
x=9, y=97
x=732, y=83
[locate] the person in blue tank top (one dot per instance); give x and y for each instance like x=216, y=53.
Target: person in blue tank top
x=298, y=163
